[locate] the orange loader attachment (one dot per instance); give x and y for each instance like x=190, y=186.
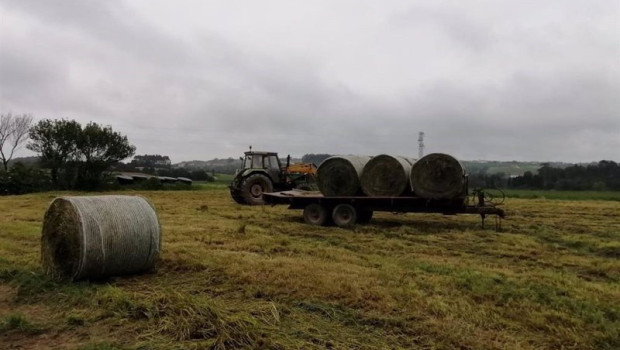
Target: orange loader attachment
x=301, y=168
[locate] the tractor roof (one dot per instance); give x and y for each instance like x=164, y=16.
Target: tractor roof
x=260, y=153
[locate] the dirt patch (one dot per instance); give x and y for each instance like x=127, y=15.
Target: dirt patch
x=52, y=340
x=7, y=295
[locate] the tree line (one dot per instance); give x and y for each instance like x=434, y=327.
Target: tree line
x=76, y=157
x=72, y=156
x=601, y=176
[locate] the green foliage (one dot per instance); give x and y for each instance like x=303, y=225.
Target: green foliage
x=76, y=156
x=315, y=158
x=151, y=160
x=601, y=176
x=20, y=179
x=15, y=321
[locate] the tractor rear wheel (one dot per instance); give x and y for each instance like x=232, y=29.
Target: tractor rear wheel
x=236, y=196
x=253, y=187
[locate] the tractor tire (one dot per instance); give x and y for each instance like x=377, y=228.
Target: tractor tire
x=253, y=187
x=344, y=215
x=316, y=214
x=236, y=196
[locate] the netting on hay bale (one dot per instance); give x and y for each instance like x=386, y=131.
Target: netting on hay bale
x=99, y=236
x=386, y=175
x=438, y=176
x=340, y=175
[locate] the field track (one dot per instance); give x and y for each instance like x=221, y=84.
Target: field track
x=235, y=276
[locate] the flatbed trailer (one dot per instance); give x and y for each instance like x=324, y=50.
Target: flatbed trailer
x=350, y=210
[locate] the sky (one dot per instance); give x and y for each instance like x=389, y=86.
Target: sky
x=193, y=79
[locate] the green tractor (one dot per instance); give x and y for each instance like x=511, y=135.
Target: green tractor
x=262, y=172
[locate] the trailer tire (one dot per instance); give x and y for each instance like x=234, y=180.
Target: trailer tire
x=344, y=215
x=315, y=214
x=364, y=216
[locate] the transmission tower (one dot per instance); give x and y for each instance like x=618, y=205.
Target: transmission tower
x=421, y=144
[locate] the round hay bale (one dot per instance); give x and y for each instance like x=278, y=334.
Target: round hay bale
x=438, y=176
x=386, y=175
x=340, y=175
x=99, y=236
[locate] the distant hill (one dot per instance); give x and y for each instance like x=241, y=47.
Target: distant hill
x=510, y=168
x=229, y=165
x=222, y=166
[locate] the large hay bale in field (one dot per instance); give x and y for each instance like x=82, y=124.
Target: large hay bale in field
x=340, y=175
x=438, y=176
x=386, y=175
x=99, y=236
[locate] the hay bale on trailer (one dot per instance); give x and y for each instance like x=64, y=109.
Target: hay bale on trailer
x=340, y=175
x=99, y=236
x=438, y=176
x=386, y=175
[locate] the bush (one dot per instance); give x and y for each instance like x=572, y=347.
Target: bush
x=20, y=179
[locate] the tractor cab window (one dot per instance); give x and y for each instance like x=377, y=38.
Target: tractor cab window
x=271, y=162
x=248, y=162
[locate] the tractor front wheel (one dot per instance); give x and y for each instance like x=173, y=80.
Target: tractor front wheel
x=253, y=187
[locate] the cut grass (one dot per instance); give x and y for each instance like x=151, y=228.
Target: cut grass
x=235, y=276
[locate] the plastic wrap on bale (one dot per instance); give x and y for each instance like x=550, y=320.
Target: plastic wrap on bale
x=340, y=175
x=94, y=237
x=386, y=175
x=438, y=176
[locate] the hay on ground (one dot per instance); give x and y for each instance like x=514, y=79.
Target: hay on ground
x=340, y=175
x=386, y=175
x=438, y=176
x=99, y=236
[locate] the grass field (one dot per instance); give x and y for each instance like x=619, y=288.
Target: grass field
x=234, y=276
x=566, y=195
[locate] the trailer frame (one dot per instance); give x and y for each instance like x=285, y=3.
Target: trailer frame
x=346, y=211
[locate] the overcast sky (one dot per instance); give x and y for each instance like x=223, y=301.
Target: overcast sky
x=493, y=80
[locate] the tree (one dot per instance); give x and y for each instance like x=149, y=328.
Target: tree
x=98, y=148
x=13, y=134
x=76, y=156
x=56, y=143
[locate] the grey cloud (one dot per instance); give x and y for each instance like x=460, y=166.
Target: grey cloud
x=486, y=84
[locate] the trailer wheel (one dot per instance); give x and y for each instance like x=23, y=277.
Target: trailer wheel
x=344, y=215
x=364, y=216
x=315, y=214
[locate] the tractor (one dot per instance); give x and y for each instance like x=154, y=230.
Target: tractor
x=262, y=172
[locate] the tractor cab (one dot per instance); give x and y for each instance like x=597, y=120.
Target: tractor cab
x=263, y=161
